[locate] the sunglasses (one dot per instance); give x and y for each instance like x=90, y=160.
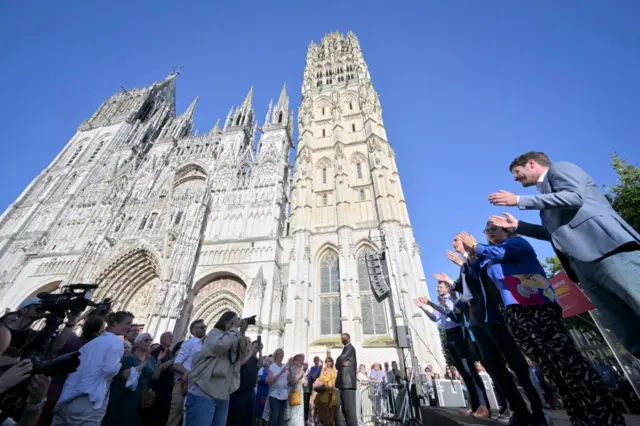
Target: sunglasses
x=492, y=229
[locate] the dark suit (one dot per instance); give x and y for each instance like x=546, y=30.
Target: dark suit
x=346, y=381
x=496, y=343
x=595, y=245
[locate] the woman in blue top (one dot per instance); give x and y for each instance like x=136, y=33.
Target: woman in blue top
x=533, y=316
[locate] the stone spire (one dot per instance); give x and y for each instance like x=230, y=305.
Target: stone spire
x=188, y=114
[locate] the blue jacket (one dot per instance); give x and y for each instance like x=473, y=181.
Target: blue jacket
x=516, y=273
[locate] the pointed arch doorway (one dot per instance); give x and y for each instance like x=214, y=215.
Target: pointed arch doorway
x=217, y=295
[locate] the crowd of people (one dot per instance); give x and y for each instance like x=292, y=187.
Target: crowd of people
x=500, y=313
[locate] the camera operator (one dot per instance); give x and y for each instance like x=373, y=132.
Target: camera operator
x=215, y=372
x=17, y=374
x=84, y=396
x=29, y=341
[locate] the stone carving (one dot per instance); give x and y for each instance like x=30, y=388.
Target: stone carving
x=155, y=164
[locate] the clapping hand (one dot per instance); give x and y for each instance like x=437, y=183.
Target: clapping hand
x=468, y=241
x=505, y=221
x=503, y=198
x=443, y=277
x=454, y=257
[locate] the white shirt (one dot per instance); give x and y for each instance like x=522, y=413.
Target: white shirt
x=466, y=293
x=99, y=363
x=444, y=320
x=187, y=351
x=279, y=389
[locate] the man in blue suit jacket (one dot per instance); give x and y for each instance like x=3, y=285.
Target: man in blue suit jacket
x=595, y=245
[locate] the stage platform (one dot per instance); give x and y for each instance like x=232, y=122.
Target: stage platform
x=433, y=416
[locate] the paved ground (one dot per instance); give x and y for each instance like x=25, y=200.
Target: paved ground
x=451, y=417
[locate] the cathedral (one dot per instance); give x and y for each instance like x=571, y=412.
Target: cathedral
x=175, y=226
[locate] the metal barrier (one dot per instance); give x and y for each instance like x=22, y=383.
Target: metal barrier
x=374, y=402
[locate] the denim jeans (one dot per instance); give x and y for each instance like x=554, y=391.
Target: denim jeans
x=277, y=408
x=205, y=411
x=612, y=284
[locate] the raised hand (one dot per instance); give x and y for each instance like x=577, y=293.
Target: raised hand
x=454, y=257
x=424, y=300
x=506, y=221
x=443, y=277
x=503, y=198
x=468, y=241
x=417, y=302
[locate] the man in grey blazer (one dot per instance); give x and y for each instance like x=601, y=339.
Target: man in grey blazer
x=596, y=246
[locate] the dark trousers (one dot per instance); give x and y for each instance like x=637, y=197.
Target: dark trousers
x=276, y=411
x=541, y=333
x=463, y=360
x=499, y=350
x=241, y=408
x=348, y=403
x=307, y=399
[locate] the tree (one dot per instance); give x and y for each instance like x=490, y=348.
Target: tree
x=552, y=266
x=625, y=194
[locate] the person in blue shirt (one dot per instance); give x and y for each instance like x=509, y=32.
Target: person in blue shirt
x=512, y=275
x=451, y=320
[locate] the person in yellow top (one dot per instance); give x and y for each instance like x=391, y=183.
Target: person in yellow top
x=327, y=399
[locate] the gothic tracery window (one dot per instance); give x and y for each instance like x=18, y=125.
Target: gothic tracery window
x=374, y=320
x=74, y=156
x=243, y=176
x=329, y=294
x=96, y=151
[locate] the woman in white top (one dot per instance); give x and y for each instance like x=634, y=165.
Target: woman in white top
x=277, y=379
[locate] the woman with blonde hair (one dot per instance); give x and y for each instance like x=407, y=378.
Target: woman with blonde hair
x=277, y=379
x=327, y=399
x=131, y=388
x=296, y=406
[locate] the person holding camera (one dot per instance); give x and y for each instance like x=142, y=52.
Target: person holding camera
x=215, y=372
x=83, y=401
x=29, y=342
x=18, y=373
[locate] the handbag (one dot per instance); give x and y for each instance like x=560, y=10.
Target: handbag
x=148, y=398
x=295, y=399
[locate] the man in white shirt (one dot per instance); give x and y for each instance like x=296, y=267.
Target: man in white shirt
x=85, y=394
x=182, y=366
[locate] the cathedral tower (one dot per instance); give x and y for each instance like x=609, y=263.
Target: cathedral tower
x=346, y=195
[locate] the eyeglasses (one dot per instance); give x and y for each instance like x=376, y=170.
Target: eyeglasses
x=491, y=229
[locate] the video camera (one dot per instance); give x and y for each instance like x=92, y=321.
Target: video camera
x=74, y=297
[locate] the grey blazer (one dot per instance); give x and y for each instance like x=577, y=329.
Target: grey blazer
x=577, y=218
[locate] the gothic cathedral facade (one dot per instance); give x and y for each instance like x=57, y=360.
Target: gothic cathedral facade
x=175, y=226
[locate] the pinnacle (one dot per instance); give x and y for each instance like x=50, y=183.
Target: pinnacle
x=283, y=101
x=248, y=100
x=192, y=109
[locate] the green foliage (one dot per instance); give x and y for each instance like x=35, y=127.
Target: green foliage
x=552, y=266
x=443, y=339
x=625, y=194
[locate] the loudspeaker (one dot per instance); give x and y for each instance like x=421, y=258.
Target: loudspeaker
x=401, y=336
x=378, y=276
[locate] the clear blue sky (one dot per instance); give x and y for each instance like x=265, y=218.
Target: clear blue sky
x=465, y=85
